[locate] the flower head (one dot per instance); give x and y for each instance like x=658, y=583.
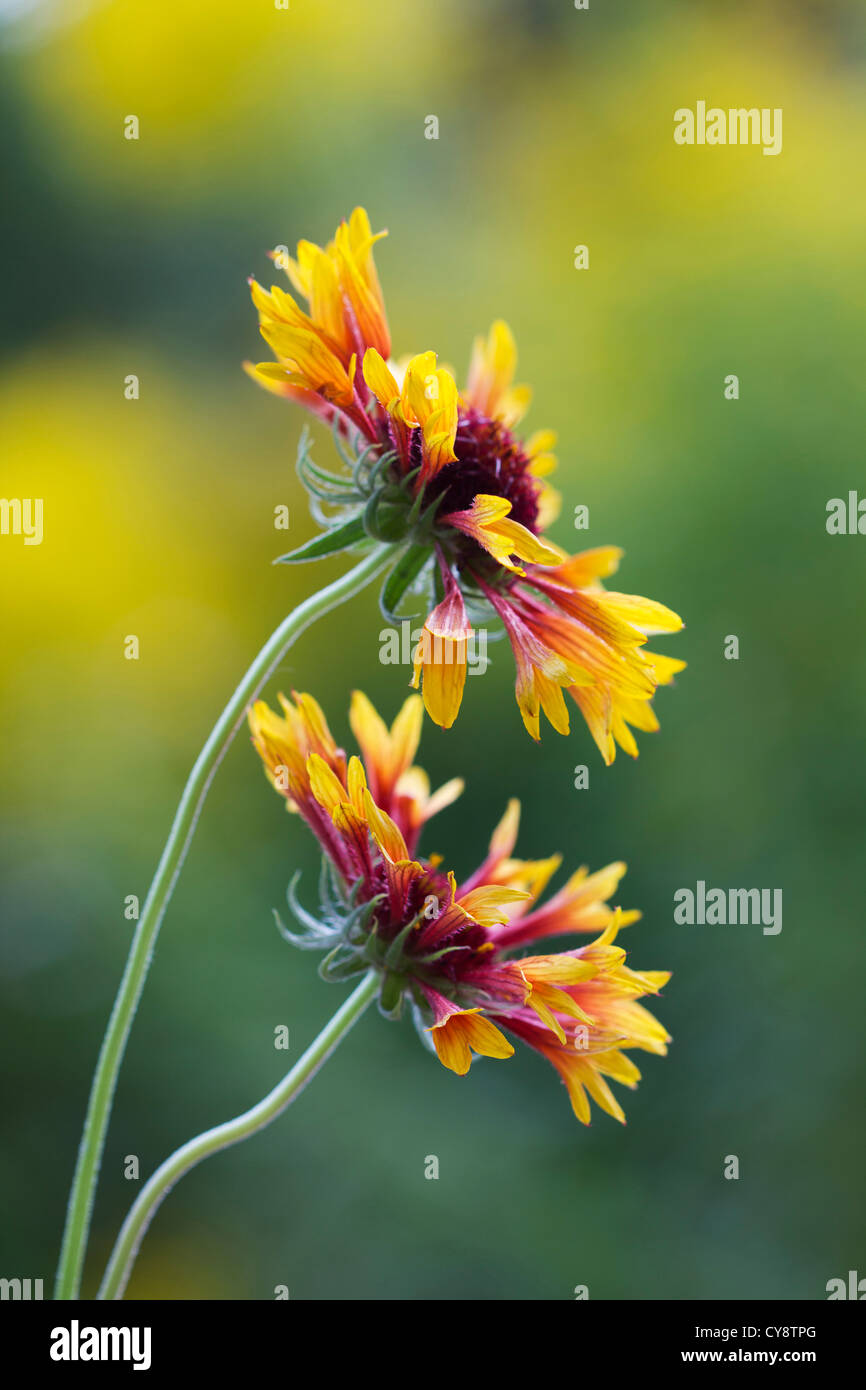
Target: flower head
x=452, y=951
x=444, y=475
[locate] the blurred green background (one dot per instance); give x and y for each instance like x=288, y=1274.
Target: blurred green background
x=260, y=126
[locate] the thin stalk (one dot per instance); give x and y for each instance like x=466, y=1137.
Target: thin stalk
x=183, y=827
x=223, y=1136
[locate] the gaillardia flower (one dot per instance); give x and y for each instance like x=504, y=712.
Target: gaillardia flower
x=452, y=951
x=444, y=476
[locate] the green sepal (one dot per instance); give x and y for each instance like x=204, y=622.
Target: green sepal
x=391, y=997
x=384, y=521
x=369, y=475
x=316, y=933
x=402, y=576
x=341, y=964
x=425, y=518
x=437, y=955
x=300, y=913
x=340, y=538
x=333, y=481
x=356, y=926
x=336, y=496
x=340, y=444
x=394, y=953
x=422, y=1028
x=311, y=941
x=328, y=889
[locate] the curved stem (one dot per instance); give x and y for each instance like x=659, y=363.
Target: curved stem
x=140, y=952
x=222, y=1136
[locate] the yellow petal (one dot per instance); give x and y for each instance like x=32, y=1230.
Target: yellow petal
x=386, y=834
x=380, y=380
x=461, y=1034
x=485, y=904
x=504, y=837
x=324, y=784
x=644, y=613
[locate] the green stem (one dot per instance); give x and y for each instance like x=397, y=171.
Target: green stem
x=222, y=1136
x=186, y=817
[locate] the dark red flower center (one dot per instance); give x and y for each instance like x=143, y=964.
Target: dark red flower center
x=390, y=917
x=489, y=460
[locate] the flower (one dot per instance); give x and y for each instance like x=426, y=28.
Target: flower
x=443, y=476
x=451, y=951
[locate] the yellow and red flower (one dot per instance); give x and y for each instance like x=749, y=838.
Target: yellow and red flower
x=442, y=475
x=448, y=949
